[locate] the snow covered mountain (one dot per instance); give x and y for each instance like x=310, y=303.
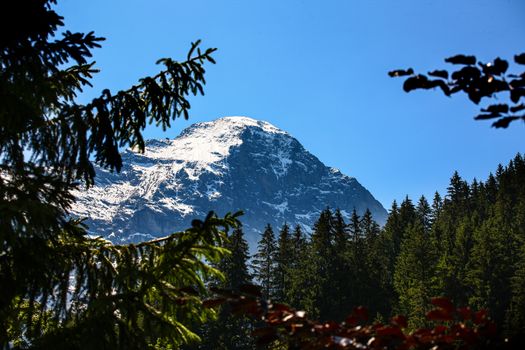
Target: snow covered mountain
x=230, y=164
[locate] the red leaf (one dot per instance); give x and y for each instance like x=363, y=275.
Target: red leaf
x=448, y=339
x=390, y=330
x=280, y=307
x=400, y=321
x=439, y=329
x=331, y=326
x=361, y=313
x=274, y=317
x=439, y=315
x=480, y=317
x=351, y=320
x=465, y=313
x=443, y=303
x=213, y=302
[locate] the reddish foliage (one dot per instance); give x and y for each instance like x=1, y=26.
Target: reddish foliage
x=454, y=328
x=444, y=304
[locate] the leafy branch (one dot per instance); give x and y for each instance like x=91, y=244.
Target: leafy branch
x=453, y=328
x=144, y=291
x=477, y=80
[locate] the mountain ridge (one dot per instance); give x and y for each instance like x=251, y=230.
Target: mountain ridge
x=229, y=164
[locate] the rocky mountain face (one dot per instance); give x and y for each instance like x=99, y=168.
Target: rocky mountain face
x=230, y=164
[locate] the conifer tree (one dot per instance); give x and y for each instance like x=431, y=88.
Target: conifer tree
x=234, y=266
x=343, y=279
x=423, y=212
x=374, y=266
x=283, y=264
x=264, y=262
x=357, y=262
x=380, y=291
x=393, y=233
x=229, y=331
x=437, y=207
x=413, y=275
x=389, y=245
x=456, y=208
x=306, y=283
x=322, y=258
x=490, y=269
x=369, y=227
x=354, y=226
x=65, y=289
x=459, y=260
x=515, y=316
x=299, y=293
x=298, y=243
x=341, y=236
x=407, y=214
x=458, y=195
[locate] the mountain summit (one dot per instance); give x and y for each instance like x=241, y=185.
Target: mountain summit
x=229, y=164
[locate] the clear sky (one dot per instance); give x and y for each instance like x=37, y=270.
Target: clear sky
x=318, y=69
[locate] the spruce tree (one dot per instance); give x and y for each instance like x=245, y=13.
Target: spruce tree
x=341, y=234
x=388, y=246
x=306, y=283
x=299, y=290
x=357, y=262
x=354, y=226
x=413, y=275
x=322, y=258
x=372, y=264
x=264, y=262
x=393, y=232
x=437, y=207
x=407, y=214
x=515, y=316
x=298, y=242
x=283, y=264
x=456, y=209
x=423, y=212
x=65, y=289
x=234, y=266
x=230, y=331
x=369, y=226
x=490, y=269
x=343, y=281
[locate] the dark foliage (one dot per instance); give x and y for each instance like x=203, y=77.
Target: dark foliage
x=59, y=288
x=451, y=327
x=477, y=80
x=467, y=247
x=228, y=331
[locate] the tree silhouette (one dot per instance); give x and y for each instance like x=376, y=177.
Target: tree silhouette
x=58, y=287
x=478, y=80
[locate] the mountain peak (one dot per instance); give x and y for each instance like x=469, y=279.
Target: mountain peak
x=231, y=124
x=208, y=141
x=225, y=165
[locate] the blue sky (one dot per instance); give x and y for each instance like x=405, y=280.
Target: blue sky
x=318, y=69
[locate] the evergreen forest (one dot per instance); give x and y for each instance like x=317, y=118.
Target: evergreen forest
x=466, y=245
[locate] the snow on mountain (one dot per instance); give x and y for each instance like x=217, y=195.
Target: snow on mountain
x=230, y=164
